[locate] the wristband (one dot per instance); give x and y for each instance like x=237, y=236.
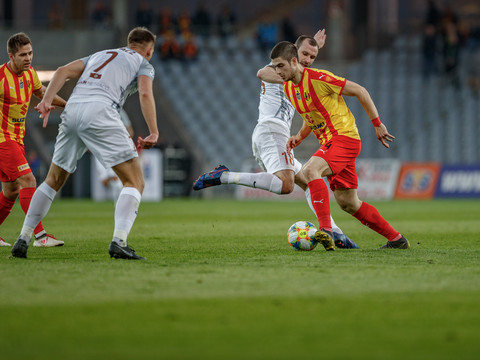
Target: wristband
x=376, y=122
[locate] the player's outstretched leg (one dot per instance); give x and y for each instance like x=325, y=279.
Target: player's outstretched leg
x=369, y=216
x=343, y=242
x=325, y=238
x=211, y=178
x=401, y=243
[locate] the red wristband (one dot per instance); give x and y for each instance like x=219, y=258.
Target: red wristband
x=376, y=122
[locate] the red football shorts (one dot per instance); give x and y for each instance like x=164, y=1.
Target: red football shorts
x=13, y=163
x=340, y=154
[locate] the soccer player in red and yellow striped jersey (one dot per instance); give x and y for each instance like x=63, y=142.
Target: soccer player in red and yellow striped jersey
x=18, y=81
x=317, y=97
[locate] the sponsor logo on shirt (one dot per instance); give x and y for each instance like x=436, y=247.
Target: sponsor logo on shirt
x=24, y=109
x=23, y=167
x=318, y=126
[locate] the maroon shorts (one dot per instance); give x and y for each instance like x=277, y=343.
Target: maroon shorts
x=340, y=154
x=13, y=163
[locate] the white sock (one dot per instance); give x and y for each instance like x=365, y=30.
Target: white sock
x=309, y=200
x=41, y=201
x=263, y=180
x=335, y=228
x=125, y=214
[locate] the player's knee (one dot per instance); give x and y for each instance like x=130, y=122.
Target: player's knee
x=287, y=187
x=310, y=173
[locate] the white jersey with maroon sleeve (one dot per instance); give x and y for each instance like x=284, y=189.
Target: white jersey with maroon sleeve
x=111, y=76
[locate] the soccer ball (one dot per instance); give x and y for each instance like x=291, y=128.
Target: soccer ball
x=301, y=236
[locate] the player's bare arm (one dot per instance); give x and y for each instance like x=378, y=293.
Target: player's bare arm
x=320, y=37
x=57, y=100
x=268, y=74
x=147, y=104
x=353, y=89
x=297, y=139
x=72, y=70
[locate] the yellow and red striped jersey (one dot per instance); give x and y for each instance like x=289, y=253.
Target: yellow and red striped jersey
x=318, y=99
x=15, y=95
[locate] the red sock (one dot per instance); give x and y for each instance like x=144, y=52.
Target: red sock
x=370, y=217
x=25, y=198
x=321, y=203
x=6, y=206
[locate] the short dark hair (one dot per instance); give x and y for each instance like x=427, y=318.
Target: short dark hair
x=302, y=38
x=284, y=49
x=141, y=35
x=16, y=41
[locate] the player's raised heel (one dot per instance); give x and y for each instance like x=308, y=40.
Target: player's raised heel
x=401, y=243
x=324, y=238
x=211, y=178
x=123, y=252
x=20, y=248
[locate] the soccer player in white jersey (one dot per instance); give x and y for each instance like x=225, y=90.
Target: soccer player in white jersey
x=91, y=121
x=269, y=140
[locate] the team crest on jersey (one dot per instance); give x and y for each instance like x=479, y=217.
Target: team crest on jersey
x=297, y=93
x=306, y=95
x=23, y=167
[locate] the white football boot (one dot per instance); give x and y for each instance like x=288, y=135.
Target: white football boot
x=4, y=243
x=47, y=241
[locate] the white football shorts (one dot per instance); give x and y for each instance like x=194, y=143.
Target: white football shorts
x=94, y=126
x=269, y=143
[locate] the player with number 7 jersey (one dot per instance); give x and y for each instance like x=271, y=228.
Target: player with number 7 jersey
x=108, y=76
x=91, y=121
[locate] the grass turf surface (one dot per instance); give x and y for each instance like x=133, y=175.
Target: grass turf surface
x=221, y=282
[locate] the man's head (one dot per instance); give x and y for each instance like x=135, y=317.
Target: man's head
x=142, y=40
x=20, y=52
x=284, y=58
x=307, y=50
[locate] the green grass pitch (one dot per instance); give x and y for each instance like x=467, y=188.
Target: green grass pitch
x=221, y=282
